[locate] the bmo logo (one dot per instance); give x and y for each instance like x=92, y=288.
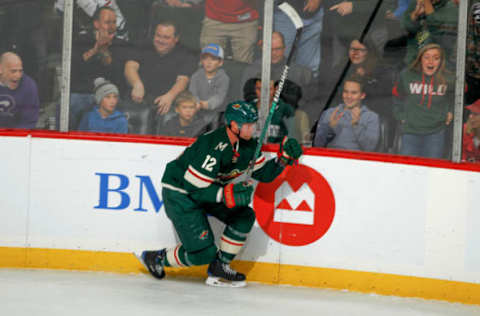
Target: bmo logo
x=294, y=207
x=297, y=208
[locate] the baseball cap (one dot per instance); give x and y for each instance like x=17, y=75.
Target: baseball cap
x=214, y=50
x=474, y=107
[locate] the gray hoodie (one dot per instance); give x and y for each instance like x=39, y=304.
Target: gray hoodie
x=214, y=90
x=363, y=136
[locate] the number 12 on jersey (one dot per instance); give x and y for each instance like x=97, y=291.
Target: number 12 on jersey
x=209, y=163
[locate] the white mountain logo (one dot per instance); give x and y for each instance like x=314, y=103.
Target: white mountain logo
x=294, y=207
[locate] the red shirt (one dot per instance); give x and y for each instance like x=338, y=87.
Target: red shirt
x=230, y=11
x=470, y=153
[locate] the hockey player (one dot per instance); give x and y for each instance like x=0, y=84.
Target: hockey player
x=200, y=181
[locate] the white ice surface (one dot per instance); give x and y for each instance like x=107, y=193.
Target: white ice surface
x=65, y=293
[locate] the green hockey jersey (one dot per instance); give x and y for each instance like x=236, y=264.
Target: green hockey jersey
x=277, y=128
x=211, y=162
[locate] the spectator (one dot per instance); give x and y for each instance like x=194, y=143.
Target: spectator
x=300, y=75
x=346, y=21
x=277, y=129
x=423, y=103
x=97, y=54
x=431, y=21
x=308, y=46
x=363, y=61
x=141, y=16
x=89, y=8
x=472, y=68
x=19, y=102
x=471, y=134
x=160, y=72
x=209, y=84
x=187, y=122
x=351, y=125
x=234, y=21
x=105, y=118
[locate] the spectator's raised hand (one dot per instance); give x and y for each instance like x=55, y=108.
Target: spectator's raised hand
x=312, y=5
x=355, y=115
x=419, y=10
x=163, y=102
x=138, y=92
x=335, y=118
x=343, y=8
x=103, y=39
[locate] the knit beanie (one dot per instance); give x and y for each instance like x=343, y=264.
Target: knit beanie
x=103, y=88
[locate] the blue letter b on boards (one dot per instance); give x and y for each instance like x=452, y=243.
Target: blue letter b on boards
x=105, y=190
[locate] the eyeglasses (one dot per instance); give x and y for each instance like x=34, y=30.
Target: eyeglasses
x=361, y=50
x=277, y=49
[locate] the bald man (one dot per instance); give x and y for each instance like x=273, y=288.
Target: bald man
x=19, y=102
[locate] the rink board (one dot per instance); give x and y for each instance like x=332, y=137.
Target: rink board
x=397, y=228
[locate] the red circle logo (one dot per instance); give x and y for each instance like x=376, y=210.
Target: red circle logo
x=297, y=208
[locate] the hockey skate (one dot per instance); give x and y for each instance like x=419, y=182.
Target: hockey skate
x=152, y=260
x=222, y=275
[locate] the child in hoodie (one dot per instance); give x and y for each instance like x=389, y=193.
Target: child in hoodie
x=104, y=117
x=210, y=83
x=423, y=104
x=188, y=122
x=351, y=125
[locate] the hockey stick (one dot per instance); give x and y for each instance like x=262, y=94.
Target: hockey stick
x=298, y=23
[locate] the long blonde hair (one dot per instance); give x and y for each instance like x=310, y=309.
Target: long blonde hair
x=416, y=65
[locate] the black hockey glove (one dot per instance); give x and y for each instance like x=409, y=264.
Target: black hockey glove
x=238, y=194
x=290, y=151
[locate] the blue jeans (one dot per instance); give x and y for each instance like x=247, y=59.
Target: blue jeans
x=428, y=146
x=79, y=104
x=308, y=47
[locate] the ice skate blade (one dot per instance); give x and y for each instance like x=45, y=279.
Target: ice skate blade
x=219, y=282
